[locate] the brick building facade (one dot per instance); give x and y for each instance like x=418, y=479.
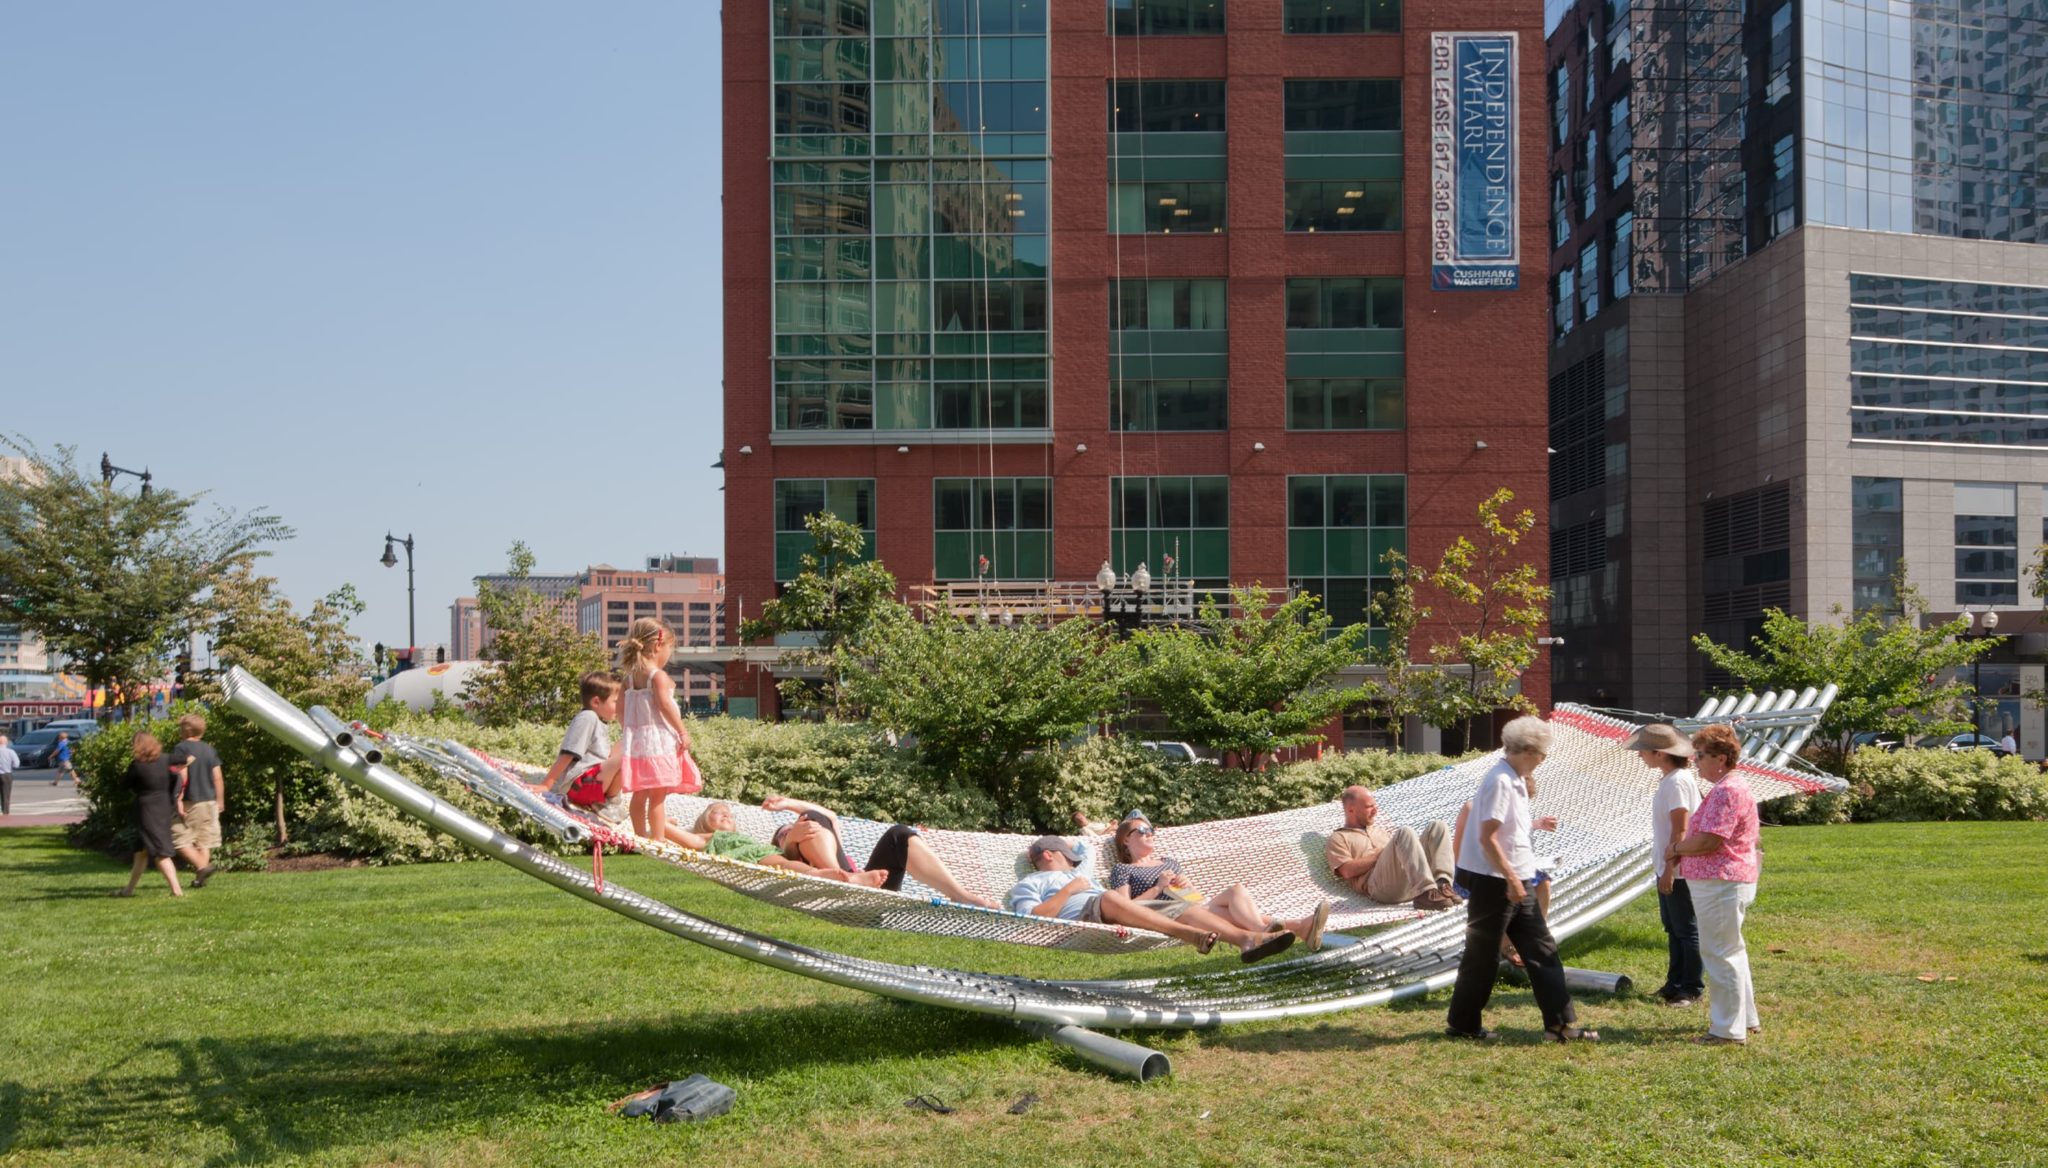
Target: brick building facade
x=1318, y=403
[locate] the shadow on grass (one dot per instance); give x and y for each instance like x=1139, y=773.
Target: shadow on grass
x=278, y=1097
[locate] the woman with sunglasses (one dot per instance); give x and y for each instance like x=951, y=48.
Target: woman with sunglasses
x=1157, y=882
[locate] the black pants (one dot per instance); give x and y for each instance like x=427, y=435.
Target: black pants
x=1684, y=971
x=1489, y=916
x=7, y=793
x=892, y=855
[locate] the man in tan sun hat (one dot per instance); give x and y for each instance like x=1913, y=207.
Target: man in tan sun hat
x=1668, y=752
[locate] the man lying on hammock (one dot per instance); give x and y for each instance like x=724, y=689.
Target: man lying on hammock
x=814, y=839
x=1056, y=890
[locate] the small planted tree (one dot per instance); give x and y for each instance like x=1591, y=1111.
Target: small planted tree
x=309, y=659
x=979, y=695
x=1887, y=667
x=837, y=598
x=537, y=657
x=1253, y=680
x=112, y=580
x=1489, y=605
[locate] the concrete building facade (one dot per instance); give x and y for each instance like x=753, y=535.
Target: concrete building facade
x=1023, y=287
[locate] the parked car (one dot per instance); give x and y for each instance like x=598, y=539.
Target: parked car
x=1177, y=751
x=1970, y=740
x=78, y=728
x=36, y=747
x=1874, y=740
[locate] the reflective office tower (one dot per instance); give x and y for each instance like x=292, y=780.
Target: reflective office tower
x=1024, y=287
x=1800, y=318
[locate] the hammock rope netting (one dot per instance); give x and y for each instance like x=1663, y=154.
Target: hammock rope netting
x=1598, y=859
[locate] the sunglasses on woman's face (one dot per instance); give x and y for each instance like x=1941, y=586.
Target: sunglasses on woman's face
x=1142, y=829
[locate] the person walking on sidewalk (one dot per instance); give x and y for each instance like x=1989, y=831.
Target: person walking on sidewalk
x=61, y=759
x=9, y=763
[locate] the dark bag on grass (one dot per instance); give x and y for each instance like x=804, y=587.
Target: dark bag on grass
x=685, y=1100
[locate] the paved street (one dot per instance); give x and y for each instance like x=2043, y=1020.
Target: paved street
x=36, y=802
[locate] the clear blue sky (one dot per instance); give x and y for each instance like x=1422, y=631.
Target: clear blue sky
x=448, y=267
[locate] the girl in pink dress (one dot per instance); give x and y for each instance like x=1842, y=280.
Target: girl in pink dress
x=655, y=746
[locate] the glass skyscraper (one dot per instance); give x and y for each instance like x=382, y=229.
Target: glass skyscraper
x=1814, y=354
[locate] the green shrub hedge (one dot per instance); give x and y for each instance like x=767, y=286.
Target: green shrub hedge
x=1923, y=784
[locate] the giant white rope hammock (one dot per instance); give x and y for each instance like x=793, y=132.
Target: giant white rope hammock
x=1598, y=790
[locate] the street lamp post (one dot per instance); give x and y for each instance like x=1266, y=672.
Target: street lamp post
x=108, y=470
x=1989, y=619
x=390, y=560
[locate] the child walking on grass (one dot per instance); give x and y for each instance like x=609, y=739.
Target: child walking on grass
x=655, y=745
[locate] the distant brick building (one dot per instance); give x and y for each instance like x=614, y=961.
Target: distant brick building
x=687, y=593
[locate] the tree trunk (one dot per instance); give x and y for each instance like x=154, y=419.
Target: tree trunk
x=283, y=837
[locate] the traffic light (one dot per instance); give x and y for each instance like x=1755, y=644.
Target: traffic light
x=181, y=674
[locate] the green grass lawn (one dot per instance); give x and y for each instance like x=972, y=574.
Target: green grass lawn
x=467, y=1015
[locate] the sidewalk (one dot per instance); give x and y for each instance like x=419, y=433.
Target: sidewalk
x=38, y=804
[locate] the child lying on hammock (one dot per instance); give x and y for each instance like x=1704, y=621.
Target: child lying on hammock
x=717, y=833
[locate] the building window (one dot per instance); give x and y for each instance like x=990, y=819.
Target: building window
x=1562, y=291
x=1561, y=103
x=1166, y=17
x=1169, y=305
x=1987, y=544
x=1778, y=83
x=1589, y=281
x=1162, y=208
x=995, y=529
x=1339, y=530
x=1343, y=166
x=1619, y=48
x=1560, y=211
x=1589, y=178
x=796, y=500
x=1782, y=211
x=1166, y=107
x=1169, y=404
x=1176, y=526
x=1878, y=535
x=1346, y=403
x=1342, y=16
x=909, y=160
x=1620, y=142
x=1948, y=362
x=1344, y=303
x=1621, y=253
x=1746, y=566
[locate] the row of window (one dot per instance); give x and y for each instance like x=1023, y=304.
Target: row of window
x=833, y=102
x=1147, y=405
x=1205, y=17
x=811, y=18
x=1340, y=528
x=1948, y=362
x=1164, y=207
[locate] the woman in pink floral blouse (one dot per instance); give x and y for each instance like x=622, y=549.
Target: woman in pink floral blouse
x=1719, y=862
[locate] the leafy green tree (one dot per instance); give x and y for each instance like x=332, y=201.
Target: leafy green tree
x=1888, y=668
x=309, y=659
x=837, y=597
x=537, y=657
x=1401, y=691
x=112, y=580
x=1254, y=679
x=979, y=695
x=1491, y=605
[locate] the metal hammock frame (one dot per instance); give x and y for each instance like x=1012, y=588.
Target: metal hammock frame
x=1603, y=863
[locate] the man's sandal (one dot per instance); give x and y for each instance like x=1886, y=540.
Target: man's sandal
x=1571, y=1034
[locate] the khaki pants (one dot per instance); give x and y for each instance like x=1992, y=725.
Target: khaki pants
x=1411, y=863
